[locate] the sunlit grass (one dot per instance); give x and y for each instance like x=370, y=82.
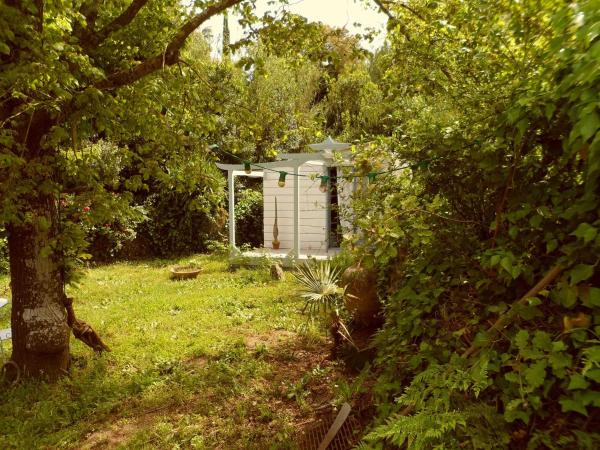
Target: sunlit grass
x=179, y=349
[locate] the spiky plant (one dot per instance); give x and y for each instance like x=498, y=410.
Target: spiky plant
x=323, y=296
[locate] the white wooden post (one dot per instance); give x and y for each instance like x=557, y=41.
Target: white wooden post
x=296, y=212
x=230, y=184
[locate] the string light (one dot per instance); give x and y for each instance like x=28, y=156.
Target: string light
x=423, y=164
x=323, y=185
x=281, y=182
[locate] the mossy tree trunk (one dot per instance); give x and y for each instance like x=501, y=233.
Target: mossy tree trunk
x=40, y=332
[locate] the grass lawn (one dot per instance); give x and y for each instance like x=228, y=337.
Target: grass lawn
x=223, y=361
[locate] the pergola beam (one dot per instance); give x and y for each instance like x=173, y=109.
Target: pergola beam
x=231, y=174
x=231, y=187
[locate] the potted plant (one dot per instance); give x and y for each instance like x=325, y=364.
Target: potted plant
x=361, y=298
x=275, y=242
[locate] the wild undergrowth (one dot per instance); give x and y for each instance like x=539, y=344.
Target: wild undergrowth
x=488, y=244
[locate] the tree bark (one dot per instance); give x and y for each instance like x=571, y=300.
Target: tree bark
x=40, y=332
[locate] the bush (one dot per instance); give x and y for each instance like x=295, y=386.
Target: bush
x=108, y=241
x=249, y=217
x=181, y=222
x=504, y=192
x=4, y=264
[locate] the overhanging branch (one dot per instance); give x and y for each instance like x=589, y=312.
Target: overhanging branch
x=119, y=22
x=171, y=54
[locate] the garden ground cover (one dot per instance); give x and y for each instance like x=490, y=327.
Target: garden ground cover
x=223, y=361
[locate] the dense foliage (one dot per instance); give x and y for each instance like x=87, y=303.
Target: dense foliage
x=496, y=108
x=249, y=229
x=3, y=253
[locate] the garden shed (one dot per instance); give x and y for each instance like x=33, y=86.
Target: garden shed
x=305, y=196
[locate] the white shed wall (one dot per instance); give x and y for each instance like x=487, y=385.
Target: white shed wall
x=313, y=209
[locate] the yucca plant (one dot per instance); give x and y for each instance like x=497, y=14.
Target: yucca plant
x=324, y=297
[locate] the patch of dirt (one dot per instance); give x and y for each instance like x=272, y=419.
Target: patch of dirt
x=119, y=432
x=197, y=362
x=296, y=393
x=268, y=340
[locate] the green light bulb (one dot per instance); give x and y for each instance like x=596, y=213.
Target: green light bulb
x=281, y=182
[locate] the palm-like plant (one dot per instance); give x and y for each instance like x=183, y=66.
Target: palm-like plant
x=324, y=296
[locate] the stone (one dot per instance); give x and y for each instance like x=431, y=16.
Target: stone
x=277, y=272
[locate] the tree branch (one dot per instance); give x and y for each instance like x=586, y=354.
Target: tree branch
x=171, y=54
x=121, y=21
x=82, y=330
x=89, y=10
x=384, y=9
x=505, y=318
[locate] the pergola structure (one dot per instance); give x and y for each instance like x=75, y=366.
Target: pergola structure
x=328, y=153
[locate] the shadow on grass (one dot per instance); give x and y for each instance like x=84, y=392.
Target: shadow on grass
x=254, y=394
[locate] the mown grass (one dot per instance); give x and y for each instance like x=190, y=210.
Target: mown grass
x=181, y=373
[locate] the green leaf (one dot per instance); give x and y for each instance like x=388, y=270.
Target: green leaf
x=513, y=412
x=589, y=125
x=507, y=264
x=593, y=374
x=527, y=312
x=536, y=374
x=481, y=339
x=542, y=340
x=578, y=382
x=581, y=272
x=4, y=49
x=572, y=405
x=522, y=339
x=559, y=363
x=551, y=245
x=586, y=232
x=594, y=296
x=566, y=295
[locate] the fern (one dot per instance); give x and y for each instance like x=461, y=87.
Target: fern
x=445, y=417
x=477, y=426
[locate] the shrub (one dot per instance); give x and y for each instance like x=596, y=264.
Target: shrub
x=503, y=196
x=181, y=222
x=249, y=217
x=4, y=264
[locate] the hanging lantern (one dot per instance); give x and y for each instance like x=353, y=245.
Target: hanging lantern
x=323, y=185
x=281, y=182
x=247, y=167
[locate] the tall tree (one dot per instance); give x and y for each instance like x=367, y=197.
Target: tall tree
x=66, y=72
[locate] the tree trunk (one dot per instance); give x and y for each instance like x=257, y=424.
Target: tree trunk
x=40, y=332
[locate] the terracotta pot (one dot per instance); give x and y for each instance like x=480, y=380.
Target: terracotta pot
x=276, y=245
x=361, y=299
x=184, y=272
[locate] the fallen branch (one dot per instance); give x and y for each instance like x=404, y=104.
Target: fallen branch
x=82, y=330
x=503, y=320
